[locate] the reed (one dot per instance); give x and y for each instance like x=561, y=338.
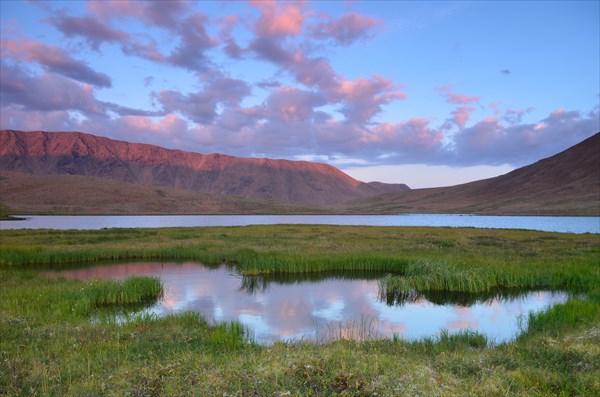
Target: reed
x=558, y=319
x=133, y=290
x=229, y=336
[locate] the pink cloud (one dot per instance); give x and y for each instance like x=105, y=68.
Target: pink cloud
x=347, y=29
x=194, y=41
x=146, y=50
x=233, y=119
x=271, y=49
x=46, y=92
x=159, y=13
x=94, y=31
x=461, y=115
x=292, y=104
x=106, y=10
x=315, y=72
x=173, y=16
x=171, y=125
x=363, y=98
x=97, y=31
x=201, y=106
x=414, y=136
x=455, y=98
x=53, y=59
x=490, y=142
x=231, y=47
x=13, y=117
x=278, y=19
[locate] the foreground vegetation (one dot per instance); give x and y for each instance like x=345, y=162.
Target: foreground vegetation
x=49, y=346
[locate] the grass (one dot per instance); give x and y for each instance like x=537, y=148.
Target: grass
x=461, y=260
x=6, y=214
x=49, y=346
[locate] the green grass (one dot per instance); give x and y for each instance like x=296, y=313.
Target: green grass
x=49, y=346
x=462, y=260
x=6, y=214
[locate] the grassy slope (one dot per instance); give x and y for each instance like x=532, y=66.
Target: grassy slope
x=49, y=347
x=464, y=199
x=567, y=183
x=74, y=194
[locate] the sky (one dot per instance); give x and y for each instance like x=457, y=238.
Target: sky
x=422, y=93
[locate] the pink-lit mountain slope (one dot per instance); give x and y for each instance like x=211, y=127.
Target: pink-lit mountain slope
x=75, y=153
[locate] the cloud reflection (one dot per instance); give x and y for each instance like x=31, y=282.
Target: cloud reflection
x=318, y=309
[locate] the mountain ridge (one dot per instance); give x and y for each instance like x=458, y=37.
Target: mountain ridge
x=76, y=153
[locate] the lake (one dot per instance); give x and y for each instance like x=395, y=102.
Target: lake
x=326, y=306
x=563, y=224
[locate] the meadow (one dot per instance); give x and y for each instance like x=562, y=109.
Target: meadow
x=59, y=337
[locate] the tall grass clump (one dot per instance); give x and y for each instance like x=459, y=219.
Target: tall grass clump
x=459, y=341
x=133, y=290
x=558, y=318
x=250, y=263
x=229, y=336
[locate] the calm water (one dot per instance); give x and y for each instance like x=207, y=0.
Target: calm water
x=543, y=223
x=322, y=309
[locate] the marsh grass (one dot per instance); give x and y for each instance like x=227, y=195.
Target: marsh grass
x=30, y=293
x=557, y=319
x=49, y=346
x=133, y=290
x=459, y=341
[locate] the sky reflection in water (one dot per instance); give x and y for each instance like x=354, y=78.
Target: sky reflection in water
x=319, y=310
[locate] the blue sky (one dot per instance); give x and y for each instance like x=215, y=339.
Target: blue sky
x=423, y=93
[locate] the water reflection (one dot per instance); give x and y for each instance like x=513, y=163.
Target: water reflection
x=317, y=308
x=252, y=284
x=450, y=297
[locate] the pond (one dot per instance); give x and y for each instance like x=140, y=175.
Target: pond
x=562, y=224
x=325, y=306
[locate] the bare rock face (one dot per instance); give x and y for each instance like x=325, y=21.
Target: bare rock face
x=46, y=153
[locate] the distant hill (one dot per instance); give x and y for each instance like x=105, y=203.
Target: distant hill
x=75, y=153
x=75, y=194
x=566, y=183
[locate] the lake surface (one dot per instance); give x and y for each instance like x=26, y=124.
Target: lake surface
x=320, y=309
x=561, y=224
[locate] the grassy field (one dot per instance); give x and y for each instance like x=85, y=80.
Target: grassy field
x=50, y=346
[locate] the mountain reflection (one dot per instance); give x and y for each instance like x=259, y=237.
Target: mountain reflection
x=324, y=305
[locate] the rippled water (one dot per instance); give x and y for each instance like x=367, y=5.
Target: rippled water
x=342, y=305
x=564, y=224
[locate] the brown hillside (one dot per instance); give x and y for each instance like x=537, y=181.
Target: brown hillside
x=75, y=194
x=48, y=153
x=566, y=183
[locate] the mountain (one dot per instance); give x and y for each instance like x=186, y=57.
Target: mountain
x=566, y=183
x=75, y=153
